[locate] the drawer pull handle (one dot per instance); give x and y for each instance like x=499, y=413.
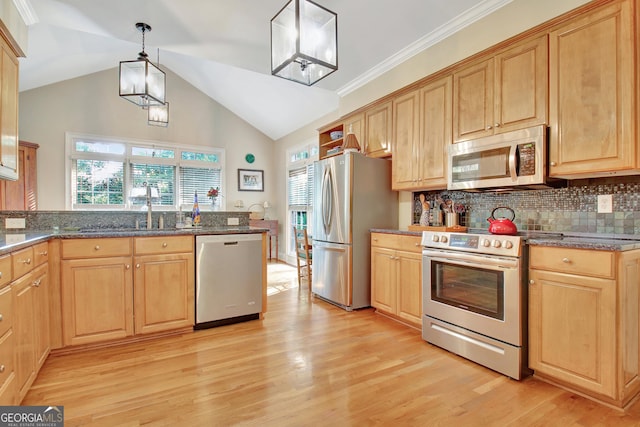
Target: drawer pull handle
x=45, y=253
x=2, y=368
x=97, y=248
x=417, y=244
x=164, y=244
x=566, y=260
x=532, y=282
x=128, y=266
x=0, y=274
x=26, y=261
x=36, y=283
x=137, y=265
x=1, y=317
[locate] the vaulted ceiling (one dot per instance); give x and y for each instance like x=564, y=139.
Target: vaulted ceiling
x=222, y=47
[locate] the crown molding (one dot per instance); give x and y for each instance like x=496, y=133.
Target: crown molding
x=472, y=15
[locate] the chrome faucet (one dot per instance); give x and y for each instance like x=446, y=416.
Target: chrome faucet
x=149, y=223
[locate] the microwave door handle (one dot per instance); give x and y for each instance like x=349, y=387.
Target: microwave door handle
x=512, y=162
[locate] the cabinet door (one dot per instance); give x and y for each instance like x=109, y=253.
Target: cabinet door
x=592, y=94
x=410, y=287
x=355, y=124
x=473, y=101
x=41, y=303
x=97, y=296
x=378, y=130
x=406, y=138
x=383, y=279
x=22, y=194
x=24, y=327
x=8, y=113
x=435, y=133
x=572, y=326
x=164, y=292
x=521, y=86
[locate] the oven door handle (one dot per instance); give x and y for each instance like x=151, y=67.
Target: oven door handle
x=480, y=261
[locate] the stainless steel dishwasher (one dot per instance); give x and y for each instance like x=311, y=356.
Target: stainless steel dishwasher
x=228, y=279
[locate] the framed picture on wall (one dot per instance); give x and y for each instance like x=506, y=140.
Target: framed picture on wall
x=250, y=180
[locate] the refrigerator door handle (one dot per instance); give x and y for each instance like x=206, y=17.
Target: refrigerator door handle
x=327, y=200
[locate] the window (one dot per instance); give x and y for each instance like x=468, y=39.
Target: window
x=112, y=174
x=300, y=190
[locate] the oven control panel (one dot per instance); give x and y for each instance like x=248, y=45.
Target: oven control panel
x=491, y=244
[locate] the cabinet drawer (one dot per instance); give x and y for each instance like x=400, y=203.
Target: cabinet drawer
x=271, y=224
x=583, y=262
x=6, y=361
x=40, y=253
x=163, y=245
x=6, y=310
x=400, y=242
x=5, y=269
x=96, y=248
x=22, y=262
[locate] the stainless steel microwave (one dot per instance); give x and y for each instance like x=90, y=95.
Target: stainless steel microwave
x=510, y=159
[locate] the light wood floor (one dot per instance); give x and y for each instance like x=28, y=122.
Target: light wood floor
x=307, y=363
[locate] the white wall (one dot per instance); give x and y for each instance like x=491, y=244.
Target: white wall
x=510, y=20
x=90, y=104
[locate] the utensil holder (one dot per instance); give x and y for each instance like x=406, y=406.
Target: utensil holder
x=436, y=217
x=451, y=219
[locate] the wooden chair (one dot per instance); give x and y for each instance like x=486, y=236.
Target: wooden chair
x=304, y=256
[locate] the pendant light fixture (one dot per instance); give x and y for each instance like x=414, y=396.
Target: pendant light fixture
x=158, y=115
x=141, y=82
x=304, y=42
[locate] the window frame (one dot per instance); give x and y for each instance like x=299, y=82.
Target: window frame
x=300, y=161
x=71, y=155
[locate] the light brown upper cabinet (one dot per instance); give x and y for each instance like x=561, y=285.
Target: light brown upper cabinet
x=8, y=112
x=355, y=124
x=505, y=92
x=21, y=195
x=378, y=130
x=421, y=135
x=592, y=94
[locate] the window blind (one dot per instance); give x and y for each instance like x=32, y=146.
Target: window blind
x=200, y=180
x=300, y=188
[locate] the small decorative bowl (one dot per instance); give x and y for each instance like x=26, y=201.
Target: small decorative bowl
x=336, y=134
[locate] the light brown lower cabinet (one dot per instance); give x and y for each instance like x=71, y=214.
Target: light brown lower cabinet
x=31, y=327
x=584, y=321
x=396, y=277
x=97, y=299
x=8, y=380
x=111, y=291
x=163, y=284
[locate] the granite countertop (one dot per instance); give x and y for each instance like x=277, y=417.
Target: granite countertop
x=20, y=239
x=391, y=231
x=581, y=242
x=593, y=242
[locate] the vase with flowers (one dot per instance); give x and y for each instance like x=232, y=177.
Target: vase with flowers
x=213, y=194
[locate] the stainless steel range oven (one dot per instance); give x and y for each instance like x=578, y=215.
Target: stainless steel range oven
x=475, y=299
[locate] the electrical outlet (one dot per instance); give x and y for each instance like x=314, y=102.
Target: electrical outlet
x=605, y=203
x=15, y=223
x=233, y=221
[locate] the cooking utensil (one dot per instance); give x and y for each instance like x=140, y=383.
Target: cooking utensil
x=502, y=225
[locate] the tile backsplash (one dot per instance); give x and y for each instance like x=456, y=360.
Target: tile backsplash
x=570, y=209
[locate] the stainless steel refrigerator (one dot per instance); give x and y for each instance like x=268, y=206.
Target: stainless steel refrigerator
x=352, y=194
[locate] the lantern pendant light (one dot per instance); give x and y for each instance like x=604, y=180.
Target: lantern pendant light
x=141, y=82
x=304, y=42
x=158, y=115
